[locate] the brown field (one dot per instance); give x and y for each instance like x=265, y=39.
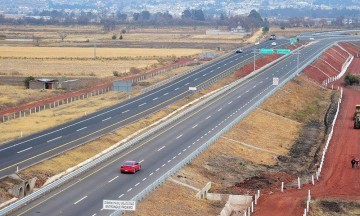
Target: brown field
x=66, y=67
x=88, y=53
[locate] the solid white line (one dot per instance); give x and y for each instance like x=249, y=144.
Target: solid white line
x=219, y=109
x=208, y=117
x=137, y=184
x=194, y=126
x=121, y=195
x=129, y=190
x=80, y=200
x=161, y=148
x=155, y=98
x=24, y=150
x=142, y=104
x=141, y=161
x=106, y=119
x=81, y=129
x=157, y=169
x=144, y=179
x=113, y=179
x=126, y=111
x=54, y=139
x=179, y=136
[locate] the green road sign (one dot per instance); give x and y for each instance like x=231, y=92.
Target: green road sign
x=293, y=40
x=283, y=51
x=266, y=51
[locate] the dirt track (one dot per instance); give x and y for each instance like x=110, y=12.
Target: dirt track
x=338, y=179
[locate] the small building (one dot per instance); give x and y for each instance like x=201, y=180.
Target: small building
x=44, y=83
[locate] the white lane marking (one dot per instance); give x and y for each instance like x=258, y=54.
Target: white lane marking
x=187, y=84
x=230, y=102
x=219, y=67
x=261, y=82
x=137, y=184
x=189, y=146
x=155, y=98
x=179, y=153
x=142, y=104
x=126, y=111
x=247, y=91
x=121, y=195
x=161, y=148
x=141, y=161
x=24, y=150
x=176, y=89
x=225, y=64
x=129, y=190
x=169, y=161
x=113, y=179
x=151, y=174
x=174, y=157
x=219, y=109
x=106, y=119
x=194, y=126
x=267, y=77
x=81, y=129
x=157, y=169
x=54, y=139
x=144, y=179
x=93, y=214
x=208, y=117
x=254, y=86
x=195, y=79
x=80, y=200
x=101, y=209
x=166, y=93
x=163, y=165
x=239, y=96
x=204, y=74
x=179, y=136
x=184, y=150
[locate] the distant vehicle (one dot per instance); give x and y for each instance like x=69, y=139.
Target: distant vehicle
x=239, y=51
x=273, y=44
x=257, y=43
x=272, y=37
x=130, y=167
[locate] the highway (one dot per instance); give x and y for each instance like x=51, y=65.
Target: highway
x=162, y=151
x=29, y=150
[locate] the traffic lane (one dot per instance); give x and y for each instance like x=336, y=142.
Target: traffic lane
x=42, y=152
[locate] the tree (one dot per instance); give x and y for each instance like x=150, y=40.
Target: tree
x=265, y=29
x=136, y=16
x=145, y=15
x=186, y=14
x=255, y=17
x=121, y=16
x=113, y=37
x=322, y=23
x=62, y=36
x=123, y=31
x=83, y=20
x=27, y=81
x=121, y=37
x=198, y=15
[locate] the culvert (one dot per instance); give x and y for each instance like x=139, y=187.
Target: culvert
x=27, y=189
x=21, y=192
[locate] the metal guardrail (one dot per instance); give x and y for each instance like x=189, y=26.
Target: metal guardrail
x=59, y=182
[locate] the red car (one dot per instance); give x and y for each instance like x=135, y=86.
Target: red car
x=130, y=167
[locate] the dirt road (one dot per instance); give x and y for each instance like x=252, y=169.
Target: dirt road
x=338, y=179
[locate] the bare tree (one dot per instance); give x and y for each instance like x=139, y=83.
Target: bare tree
x=62, y=36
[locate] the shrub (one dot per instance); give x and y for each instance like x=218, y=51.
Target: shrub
x=116, y=73
x=351, y=80
x=27, y=81
x=121, y=37
x=114, y=37
x=282, y=27
x=134, y=70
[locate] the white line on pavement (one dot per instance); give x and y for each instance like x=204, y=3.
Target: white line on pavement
x=80, y=200
x=106, y=119
x=54, y=139
x=81, y=129
x=113, y=179
x=24, y=150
